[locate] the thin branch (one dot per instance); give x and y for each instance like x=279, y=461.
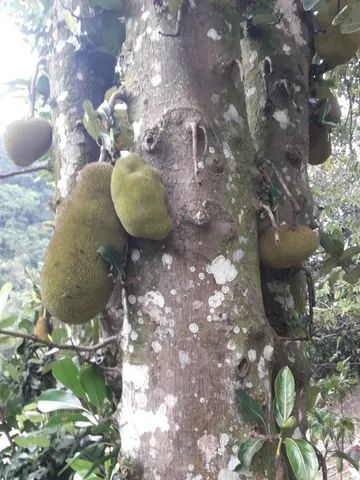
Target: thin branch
x=41, y=61
x=322, y=462
x=48, y=343
x=43, y=166
x=267, y=209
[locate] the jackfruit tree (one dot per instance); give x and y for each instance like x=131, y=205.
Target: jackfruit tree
x=229, y=104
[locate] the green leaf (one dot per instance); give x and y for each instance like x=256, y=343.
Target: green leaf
x=66, y=417
x=32, y=439
x=91, y=122
x=82, y=467
x=332, y=243
x=284, y=395
x=72, y=22
x=327, y=265
x=302, y=459
x=52, y=400
x=344, y=456
x=313, y=394
x=350, y=252
x=251, y=409
x=289, y=423
x=246, y=453
x=65, y=372
x=352, y=276
x=4, y=296
x=94, y=385
x=112, y=257
x=309, y=4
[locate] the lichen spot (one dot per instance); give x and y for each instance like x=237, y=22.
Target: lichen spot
x=252, y=355
x=145, y=16
x=238, y=255
x=194, y=327
x=184, y=358
x=286, y=49
x=135, y=255
x=217, y=299
x=282, y=117
x=208, y=446
x=167, y=260
x=268, y=352
x=213, y=34
x=232, y=115
x=222, y=269
x=137, y=128
x=156, y=80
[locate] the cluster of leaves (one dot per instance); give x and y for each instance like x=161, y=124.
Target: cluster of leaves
x=326, y=421
x=299, y=453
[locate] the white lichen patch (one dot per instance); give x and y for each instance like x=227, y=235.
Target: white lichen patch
x=224, y=439
x=213, y=34
x=252, y=355
x=135, y=255
x=250, y=91
x=232, y=115
x=238, y=255
x=62, y=96
x=194, y=327
x=156, y=346
x=215, y=100
x=156, y=80
x=231, y=345
x=262, y=368
x=253, y=57
x=145, y=15
x=282, y=117
x=286, y=49
x=184, y=358
x=217, y=299
x=229, y=156
x=132, y=299
x=137, y=128
x=208, y=445
x=138, y=42
x=167, y=260
x=268, y=352
x=222, y=269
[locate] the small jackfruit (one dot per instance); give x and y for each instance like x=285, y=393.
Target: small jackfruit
x=41, y=328
x=323, y=92
x=140, y=198
x=336, y=48
x=75, y=279
x=27, y=140
x=295, y=246
x=319, y=144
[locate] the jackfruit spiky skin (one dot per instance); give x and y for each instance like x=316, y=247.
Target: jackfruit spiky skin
x=319, y=144
x=323, y=92
x=27, y=140
x=75, y=279
x=140, y=198
x=295, y=246
x=336, y=48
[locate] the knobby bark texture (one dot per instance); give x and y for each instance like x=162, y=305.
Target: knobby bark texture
x=209, y=107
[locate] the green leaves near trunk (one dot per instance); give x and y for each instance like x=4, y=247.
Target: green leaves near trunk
x=302, y=459
x=251, y=409
x=284, y=396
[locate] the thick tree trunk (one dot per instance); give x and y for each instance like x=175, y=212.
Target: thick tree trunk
x=206, y=115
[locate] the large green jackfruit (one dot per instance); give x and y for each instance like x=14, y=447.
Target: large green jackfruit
x=75, y=279
x=140, y=198
x=319, y=144
x=336, y=48
x=27, y=140
x=295, y=246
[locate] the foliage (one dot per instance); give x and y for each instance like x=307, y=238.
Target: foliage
x=299, y=453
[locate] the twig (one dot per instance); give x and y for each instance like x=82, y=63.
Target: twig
x=294, y=204
x=322, y=462
x=261, y=436
x=311, y=298
x=32, y=92
x=43, y=166
x=178, y=23
x=267, y=209
x=194, y=128
x=48, y=343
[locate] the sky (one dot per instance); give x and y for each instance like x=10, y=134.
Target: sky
x=17, y=61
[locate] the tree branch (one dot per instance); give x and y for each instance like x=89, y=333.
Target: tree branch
x=42, y=166
x=48, y=343
x=32, y=92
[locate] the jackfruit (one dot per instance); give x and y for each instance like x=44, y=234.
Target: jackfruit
x=319, y=144
x=41, y=328
x=336, y=48
x=323, y=92
x=27, y=140
x=295, y=246
x=76, y=284
x=140, y=198
x=326, y=12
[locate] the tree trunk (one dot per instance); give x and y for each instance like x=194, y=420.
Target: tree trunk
x=205, y=114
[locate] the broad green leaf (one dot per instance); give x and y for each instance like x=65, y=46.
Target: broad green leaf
x=94, y=385
x=350, y=252
x=32, y=439
x=52, y=400
x=65, y=372
x=309, y=4
x=302, y=459
x=82, y=467
x=251, y=409
x=66, y=417
x=4, y=296
x=332, y=243
x=91, y=122
x=344, y=456
x=8, y=321
x=352, y=276
x=289, y=423
x=313, y=394
x=284, y=395
x=246, y=453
